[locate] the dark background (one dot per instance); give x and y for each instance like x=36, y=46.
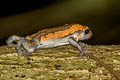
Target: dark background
x=25, y=18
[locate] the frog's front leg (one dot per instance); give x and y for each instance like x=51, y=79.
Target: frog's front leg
x=80, y=46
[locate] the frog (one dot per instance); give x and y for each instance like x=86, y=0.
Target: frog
x=72, y=34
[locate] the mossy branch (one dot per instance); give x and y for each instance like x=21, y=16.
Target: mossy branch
x=61, y=63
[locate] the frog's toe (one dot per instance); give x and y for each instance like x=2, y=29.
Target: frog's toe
x=85, y=52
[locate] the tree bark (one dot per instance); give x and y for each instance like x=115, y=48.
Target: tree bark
x=61, y=63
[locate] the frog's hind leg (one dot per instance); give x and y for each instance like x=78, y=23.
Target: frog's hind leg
x=22, y=51
x=17, y=42
x=25, y=47
x=13, y=40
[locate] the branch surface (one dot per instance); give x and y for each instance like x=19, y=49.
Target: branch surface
x=61, y=63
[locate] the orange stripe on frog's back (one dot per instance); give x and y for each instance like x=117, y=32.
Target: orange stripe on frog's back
x=59, y=34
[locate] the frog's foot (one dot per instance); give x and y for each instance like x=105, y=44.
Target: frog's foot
x=22, y=51
x=85, y=52
x=80, y=46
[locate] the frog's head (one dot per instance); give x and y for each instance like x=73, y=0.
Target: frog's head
x=84, y=34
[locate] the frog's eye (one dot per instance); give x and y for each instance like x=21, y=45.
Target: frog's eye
x=86, y=31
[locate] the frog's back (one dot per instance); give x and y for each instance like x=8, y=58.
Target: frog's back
x=50, y=30
x=59, y=32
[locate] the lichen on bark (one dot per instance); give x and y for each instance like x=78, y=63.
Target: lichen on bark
x=62, y=63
